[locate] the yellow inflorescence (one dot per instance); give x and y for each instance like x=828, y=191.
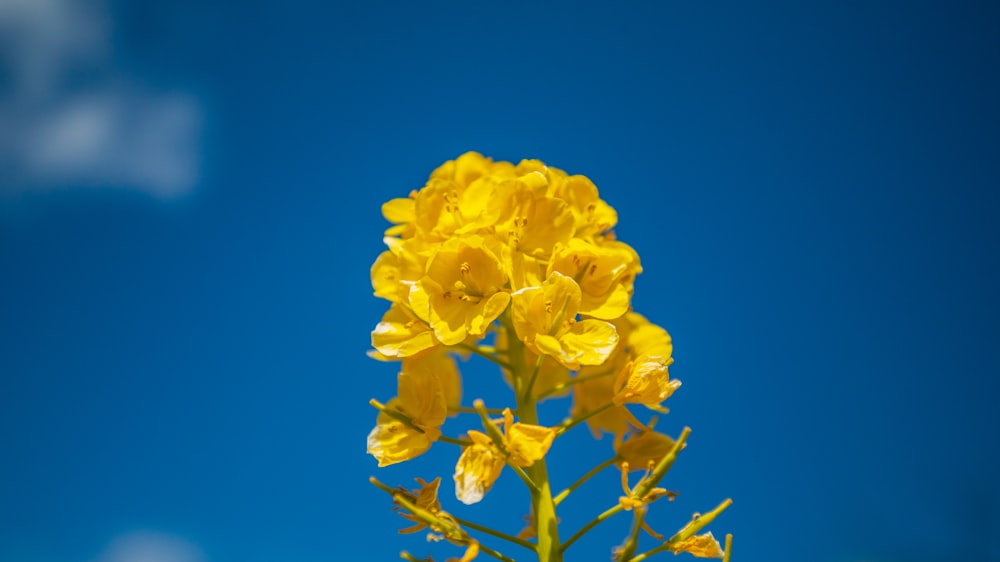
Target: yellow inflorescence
x=524, y=255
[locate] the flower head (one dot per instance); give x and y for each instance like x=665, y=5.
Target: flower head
x=545, y=320
x=517, y=444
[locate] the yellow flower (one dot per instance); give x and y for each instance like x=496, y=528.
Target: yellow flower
x=645, y=381
x=481, y=463
x=604, y=274
x=646, y=338
x=644, y=450
x=545, y=320
x=426, y=513
x=462, y=292
x=701, y=546
x=397, y=268
x=526, y=443
x=592, y=216
x=401, y=212
x=401, y=334
x=392, y=441
x=531, y=222
x=477, y=469
x=437, y=363
x=469, y=167
x=423, y=403
x=425, y=498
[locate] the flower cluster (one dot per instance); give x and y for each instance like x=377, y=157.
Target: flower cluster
x=518, y=264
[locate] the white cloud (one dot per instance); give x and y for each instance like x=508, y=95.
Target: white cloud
x=71, y=119
x=150, y=547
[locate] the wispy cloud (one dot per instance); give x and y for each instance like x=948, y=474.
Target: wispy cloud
x=146, y=546
x=69, y=118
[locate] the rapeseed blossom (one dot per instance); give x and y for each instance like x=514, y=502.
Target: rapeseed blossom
x=519, y=264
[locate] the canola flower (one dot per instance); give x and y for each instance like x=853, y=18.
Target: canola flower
x=519, y=264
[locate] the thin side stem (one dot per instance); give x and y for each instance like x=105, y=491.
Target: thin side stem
x=525, y=478
x=564, y=385
x=688, y=531
x=453, y=441
x=394, y=414
x=729, y=548
x=632, y=542
x=526, y=395
x=497, y=534
x=566, y=426
x=590, y=474
x=609, y=513
x=471, y=410
x=490, y=356
x=487, y=550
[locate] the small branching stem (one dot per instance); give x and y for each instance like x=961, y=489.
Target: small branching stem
x=471, y=410
x=632, y=543
x=573, y=422
x=593, y=523
x=688, y=531
x=590, y=474
x=564, y=385
x=395, y=414
x=453, y=441
x=484, y=354
x=495, y=533
x=526, y=395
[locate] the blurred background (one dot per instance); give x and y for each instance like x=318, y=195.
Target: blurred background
x=190, y=202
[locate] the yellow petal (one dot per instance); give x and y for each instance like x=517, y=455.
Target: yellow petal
x=645, y=381
x=398, y=211
x=588, y=342
x=421, y=397
x=605, y=275
x=646, y=338
x=528, y=443
x=701, y=546
x=640, y=451
x=437, y=363
x=546, y=310
x=399, y=334
x=427, y=495
x=477, y=469
x=595, y=393
x=393, y=441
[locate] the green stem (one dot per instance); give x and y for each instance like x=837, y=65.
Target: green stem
x=487, y=550
x=591, y=525
x=547, y=526
x=688, y=531
x=488, y=425
x=526, y=395
x=453, y=441
x=525, y=478
x=661, y=468
x=490, y=356
x=497, y=534
x=564, y=385
x=394, y=414
x=632, y=542
x=566, y=426
x=471, y=410
x=590, y=474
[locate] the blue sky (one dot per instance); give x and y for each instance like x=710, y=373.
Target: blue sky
x=189, y=205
